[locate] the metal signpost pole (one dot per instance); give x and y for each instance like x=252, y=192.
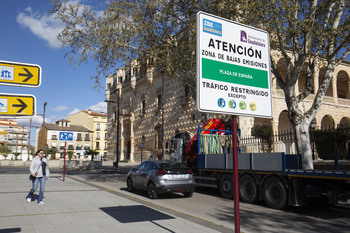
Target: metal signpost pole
x=64, y=161
x=235, y=174
x=233, y=75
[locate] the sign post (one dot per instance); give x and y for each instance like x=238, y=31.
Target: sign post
x=233, y=76
x=65, y=136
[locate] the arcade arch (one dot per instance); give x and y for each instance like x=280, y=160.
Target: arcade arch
x=327, y=122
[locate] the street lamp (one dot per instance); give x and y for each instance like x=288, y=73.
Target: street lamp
x=162, y=72
x=43, y=136
x=115, y=164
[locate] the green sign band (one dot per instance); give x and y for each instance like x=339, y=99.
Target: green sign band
x=221, y=71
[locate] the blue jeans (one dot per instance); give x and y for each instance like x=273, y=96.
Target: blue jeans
x=40, y=180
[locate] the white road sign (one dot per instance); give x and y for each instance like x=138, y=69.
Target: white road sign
x=233, y=68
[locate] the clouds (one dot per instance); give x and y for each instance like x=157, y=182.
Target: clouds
x=45, y=27
x=99, y=107
x=60, y=108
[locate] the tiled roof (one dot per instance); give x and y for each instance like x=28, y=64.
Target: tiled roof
x=95, y=113
x=75, y=128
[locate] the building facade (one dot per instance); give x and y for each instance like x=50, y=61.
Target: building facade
x=96, y=122
x=143, y=117
x=49, y=138
x=15, y=138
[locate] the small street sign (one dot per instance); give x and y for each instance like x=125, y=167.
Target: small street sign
x=20, y=74
x=15, y=105
x=66, y=136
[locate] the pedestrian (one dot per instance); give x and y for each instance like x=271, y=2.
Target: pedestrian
x=40, y=171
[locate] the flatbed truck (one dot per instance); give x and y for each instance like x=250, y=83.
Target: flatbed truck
x=275, y=178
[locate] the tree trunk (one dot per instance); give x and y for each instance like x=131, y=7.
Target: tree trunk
x=303, y=145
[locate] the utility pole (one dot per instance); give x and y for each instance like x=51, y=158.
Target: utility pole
x=42, y=135
x=162, y=72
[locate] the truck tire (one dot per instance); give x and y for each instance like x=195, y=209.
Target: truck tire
x=275, y=193
x=152, y=192
x=248, y=189
x=226, y=186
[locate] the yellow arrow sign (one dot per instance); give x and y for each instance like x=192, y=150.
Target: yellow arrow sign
x=13, y=105
x=20, y=74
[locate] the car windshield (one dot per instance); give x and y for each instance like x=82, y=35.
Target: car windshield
x=173, y=166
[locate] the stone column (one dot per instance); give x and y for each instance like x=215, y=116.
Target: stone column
x=315, y=80
x=334, y=89
x=275, y=131
x=132, y=143
x=122, y=155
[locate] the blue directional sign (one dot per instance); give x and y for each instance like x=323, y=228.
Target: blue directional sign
x=66, y=136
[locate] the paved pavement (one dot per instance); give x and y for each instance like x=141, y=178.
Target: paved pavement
x=78, y=205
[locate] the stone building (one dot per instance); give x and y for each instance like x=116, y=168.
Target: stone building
x=49, y=137
x=15, y=138
x=141, y=113
x=96, y=122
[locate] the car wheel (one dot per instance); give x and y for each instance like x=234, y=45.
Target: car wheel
x=152, y=192
x=188, y=194
x=129, y=185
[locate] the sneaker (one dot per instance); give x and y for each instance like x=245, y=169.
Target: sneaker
x=29, y=199
x=41, y=203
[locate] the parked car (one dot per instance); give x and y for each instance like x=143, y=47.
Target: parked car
x=158, y=177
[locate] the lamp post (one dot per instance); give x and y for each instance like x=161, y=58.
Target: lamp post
x=43, y=136
x=313, y=127
x=115, y=164
x=162, y=115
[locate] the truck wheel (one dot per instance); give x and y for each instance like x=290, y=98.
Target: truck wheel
x=274, y=193
x=129, y=185
x=248, y=190
x=226, y=186
x=152, y=192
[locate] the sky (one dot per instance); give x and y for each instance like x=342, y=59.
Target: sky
x=29, y=35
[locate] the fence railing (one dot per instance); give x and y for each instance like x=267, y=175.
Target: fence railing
x=325, y=144
x=281, y=142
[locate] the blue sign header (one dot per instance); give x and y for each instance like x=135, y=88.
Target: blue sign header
x=66, y=136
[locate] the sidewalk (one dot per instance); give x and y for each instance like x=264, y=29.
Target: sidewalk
x=76, y=206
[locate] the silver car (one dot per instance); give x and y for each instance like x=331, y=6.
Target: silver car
x=159, y=177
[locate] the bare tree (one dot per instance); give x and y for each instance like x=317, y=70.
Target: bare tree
x=309, y=35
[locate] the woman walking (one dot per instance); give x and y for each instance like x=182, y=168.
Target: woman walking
x=40, y=172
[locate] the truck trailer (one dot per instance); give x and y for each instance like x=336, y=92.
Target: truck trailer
x=275, y=178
